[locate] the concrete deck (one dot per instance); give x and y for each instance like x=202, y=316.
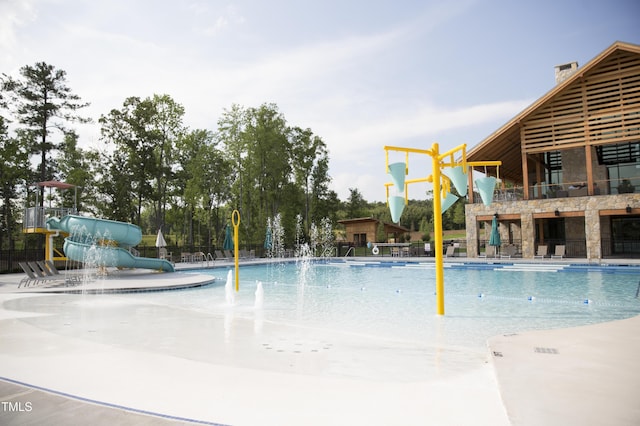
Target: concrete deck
x=585, y=375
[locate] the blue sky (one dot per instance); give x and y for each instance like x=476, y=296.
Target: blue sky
x=360, y=74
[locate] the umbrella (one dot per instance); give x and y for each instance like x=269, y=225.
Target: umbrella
x=160, y=242
x=268, y=239
x=228, y=239
x=494, y=239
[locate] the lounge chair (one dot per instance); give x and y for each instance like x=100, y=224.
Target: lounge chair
x=489, y=251
x=39, y=271
x=185, y=257
x=559, y=254
x=30, y=278
x=47, y=268
x=35, y=275
x=220, y=256
x=451, y=251
x=509, y=250
x=52, y=267
x=228, y=254
x=542, y=252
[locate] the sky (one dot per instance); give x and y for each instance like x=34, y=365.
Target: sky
x=361, y=74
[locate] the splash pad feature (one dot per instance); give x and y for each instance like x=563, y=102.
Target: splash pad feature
x=442, y=197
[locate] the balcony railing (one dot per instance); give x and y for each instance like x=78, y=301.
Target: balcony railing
x=36, y=217
x=567, y=189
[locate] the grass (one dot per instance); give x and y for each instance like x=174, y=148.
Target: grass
x=457, y=234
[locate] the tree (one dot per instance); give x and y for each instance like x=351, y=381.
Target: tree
x=41, y=100
x=356, y=205
x=204, y=177
x=14, y=171
x=257, y=143
x=78, y=167
x=145, y=132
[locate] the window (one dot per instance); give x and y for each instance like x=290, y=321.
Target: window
x=623, y=166
x=620, y=153
x=553, y=167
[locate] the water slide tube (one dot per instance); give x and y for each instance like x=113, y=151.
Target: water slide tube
x=83, y=230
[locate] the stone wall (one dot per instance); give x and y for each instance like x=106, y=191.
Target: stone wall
x=590, y=207
x=574, y=168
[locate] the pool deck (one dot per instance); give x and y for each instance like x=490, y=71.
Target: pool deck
x=585, y=375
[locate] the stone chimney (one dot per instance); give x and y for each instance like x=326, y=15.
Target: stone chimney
x=564, y=71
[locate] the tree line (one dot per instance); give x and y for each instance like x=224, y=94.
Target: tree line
x=154, y=171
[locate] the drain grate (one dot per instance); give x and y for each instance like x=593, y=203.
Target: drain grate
x=540, y=350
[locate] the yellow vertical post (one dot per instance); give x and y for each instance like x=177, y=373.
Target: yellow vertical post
x=48, y=246
x=437, y=229
x=235, y=220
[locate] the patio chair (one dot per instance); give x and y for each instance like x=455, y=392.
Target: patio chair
x=559, y=254
x=199, y=257
x=185, y=257
x=542, y=252
x=164, y=254
x=228, y=254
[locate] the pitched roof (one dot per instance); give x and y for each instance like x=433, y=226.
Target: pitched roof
x=505, y=143
x=393, y=226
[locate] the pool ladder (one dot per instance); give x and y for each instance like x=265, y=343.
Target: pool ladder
x=349, y=251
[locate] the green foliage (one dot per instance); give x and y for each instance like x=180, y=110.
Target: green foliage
x=41, y=101
x=14, y=171
x=160, y=174
x=356, y=205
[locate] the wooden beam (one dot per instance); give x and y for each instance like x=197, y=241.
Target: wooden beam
x=589, y=166
x=525, y=176
x=618, y=212
x=552, y=215
x=488, y=218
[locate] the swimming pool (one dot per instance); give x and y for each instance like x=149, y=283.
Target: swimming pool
x=396, y=300
x=364, y=320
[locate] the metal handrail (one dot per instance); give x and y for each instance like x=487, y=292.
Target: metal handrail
x=349, y=251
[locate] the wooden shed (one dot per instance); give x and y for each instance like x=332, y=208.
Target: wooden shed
x=362, y=230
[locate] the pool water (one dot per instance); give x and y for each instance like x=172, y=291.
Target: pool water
x=373, y=321
x=398, y=301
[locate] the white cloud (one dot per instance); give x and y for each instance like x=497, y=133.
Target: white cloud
x=13, y=15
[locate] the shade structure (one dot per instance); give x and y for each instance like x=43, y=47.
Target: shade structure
x=458, y=177
x=160, y=241
x=268, y=239
x=228, y=239
x=485, y=186
x=398, y=172
x=448, y=201
x=396, y=205
x=494, y=238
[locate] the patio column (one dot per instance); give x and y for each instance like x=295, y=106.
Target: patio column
x=472, y=226
x=592, y=234
x=528, y=235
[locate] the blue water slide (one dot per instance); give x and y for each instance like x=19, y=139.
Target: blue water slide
x=126, y=235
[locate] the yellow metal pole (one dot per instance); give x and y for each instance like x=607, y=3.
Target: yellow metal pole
x=436, y=178
x=437, y=230
x=235, y=220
